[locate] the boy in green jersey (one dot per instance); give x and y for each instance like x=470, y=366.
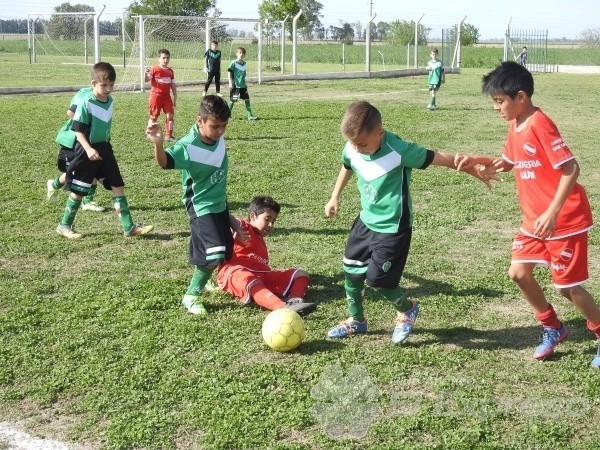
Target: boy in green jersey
x=436, y=77
x=94, y=157
x=237, y=82
x=201, y=156
x=66, y=139
x=212, y=67
x=377, y=248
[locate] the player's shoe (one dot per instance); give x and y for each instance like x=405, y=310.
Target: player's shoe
x=347, y=328
x=252, y=117
x=596, y=361
x=50, y=191
x=550, y=338
x=404, y=324
x=429, y=106
x=138, y=229
x=300, y=306
x=92, y=206
x=219, y=94
x=67, y=231
x=204, y=94
x=193, y=304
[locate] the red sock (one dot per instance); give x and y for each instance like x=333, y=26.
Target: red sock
x=299, y=287
x=549, y=318
x=594, y=328
x=169, y=127
x=265, y=298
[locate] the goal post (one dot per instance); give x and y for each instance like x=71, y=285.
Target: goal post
x=186, y=38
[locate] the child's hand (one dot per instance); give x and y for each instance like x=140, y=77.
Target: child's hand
x=154, y=133
x=463, y=162
x=484, y=173
x=93, y=155
x=332, y=208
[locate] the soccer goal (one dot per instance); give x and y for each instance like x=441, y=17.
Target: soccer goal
x=187, y=38
x=77, y=37
x=535, y=45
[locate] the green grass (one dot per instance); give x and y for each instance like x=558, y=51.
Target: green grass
x=96, y=349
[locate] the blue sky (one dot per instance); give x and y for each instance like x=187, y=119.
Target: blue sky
x=561, y=18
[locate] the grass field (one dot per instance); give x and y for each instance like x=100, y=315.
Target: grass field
x=96, y=349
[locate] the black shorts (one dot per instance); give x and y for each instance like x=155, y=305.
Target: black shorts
x=378, y=257
x=211, y=239
x=81, y=171
x=65, y=156
x=239, y=93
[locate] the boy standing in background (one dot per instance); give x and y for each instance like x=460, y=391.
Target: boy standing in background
x=162, y=81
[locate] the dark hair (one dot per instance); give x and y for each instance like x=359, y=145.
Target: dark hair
x=165, y=51
x=103, y=71
x=214, y=42
x=261, y=203
x=214, y=107
x=508, y=78
x=361, y=117
x=435, y=50
x=242, y=49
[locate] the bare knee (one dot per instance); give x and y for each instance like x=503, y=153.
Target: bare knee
x=520, y=273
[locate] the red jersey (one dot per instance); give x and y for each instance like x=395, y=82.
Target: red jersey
x=161, y=80
x=538, y=152
x=252, y=254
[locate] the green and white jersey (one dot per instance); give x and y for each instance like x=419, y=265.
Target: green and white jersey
x=94, y=118
x=66, y=136
x=238, y=70
x=203, y=173
x=436, y=68
x=212, y=60
x=384, y=179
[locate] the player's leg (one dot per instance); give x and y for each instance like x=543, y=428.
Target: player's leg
x=167, y=107
x=356, y=260
x=384, y=273
x=569, y=271
x=88, y=203
x=209, y=79
x=246, y=97
x=65, y=155
x=290, y=283
x=211, y=243
x=218, y=83
x=234, y=95
x=527, y=253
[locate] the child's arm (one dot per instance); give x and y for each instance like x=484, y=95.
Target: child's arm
x=333, y=205
x=174, y=89
x=155, y=134
x=147, y=74
x=545, y=225
x=447, y=160
x=92, y=154
x=238, y=232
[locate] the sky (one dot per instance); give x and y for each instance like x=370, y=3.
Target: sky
x=562, y=18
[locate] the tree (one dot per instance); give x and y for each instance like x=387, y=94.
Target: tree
x=469, y=35
x=69, y=27
x=383, y=30
x=311, y=10
x=275, y=10
x=590, y=38
x=402, y=32
x=172, y=7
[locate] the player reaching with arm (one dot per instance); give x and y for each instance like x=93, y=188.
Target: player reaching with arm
x=556, y=211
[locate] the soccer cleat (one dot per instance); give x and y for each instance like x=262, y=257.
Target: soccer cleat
x=211, y=286
x=549, y=339
x=347, y=328
x=429, y=106
x=300, y=306
x=252, y=117
x=204, y=94
x=138, y=229
x=596, y=361
x=50, y=191
x=67, y=231
x=404, y=324
x=193, y=304
x=92, y=206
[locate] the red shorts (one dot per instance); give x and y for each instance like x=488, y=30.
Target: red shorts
x=236, y=280
x=567, y=257
x=156, y=104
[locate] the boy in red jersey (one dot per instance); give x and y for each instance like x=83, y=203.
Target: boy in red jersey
x=556, y=211
x=247, y=274
x=162, y=80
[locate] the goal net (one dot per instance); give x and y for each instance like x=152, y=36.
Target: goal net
x=187, y=39
x=76, y=38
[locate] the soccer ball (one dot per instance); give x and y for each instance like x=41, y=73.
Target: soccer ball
x=283, y=330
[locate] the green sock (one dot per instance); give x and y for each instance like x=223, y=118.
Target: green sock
x=354, y=297
x=90, y=197
x=199, y=279
x=122, y=208
x=70, y=211
x=397, y=297
x=231, y=105
x=56, y=183
x=248, y=108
